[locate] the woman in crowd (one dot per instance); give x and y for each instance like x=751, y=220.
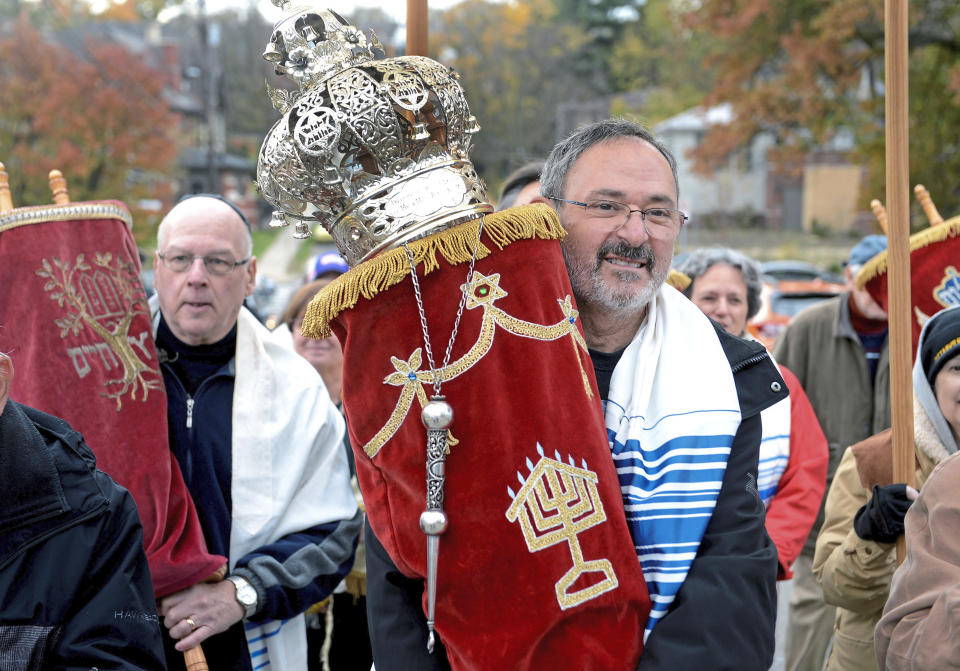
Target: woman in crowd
x=725, y=285
x=341, y=641
x=855, y=557
x=920, y=627
x=326, y=355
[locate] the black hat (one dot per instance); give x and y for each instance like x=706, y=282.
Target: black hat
x=941, y=341
x=217, y=196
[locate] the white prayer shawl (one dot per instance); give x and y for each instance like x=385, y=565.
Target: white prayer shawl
x=289, y=470
x=671, y=415
x=774, y=447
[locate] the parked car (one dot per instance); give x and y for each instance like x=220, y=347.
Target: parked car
x=797, y=270
x=781, y=299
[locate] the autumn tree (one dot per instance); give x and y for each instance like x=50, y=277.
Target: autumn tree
x=603, y=24
x=807, y=70
x=517, y=67
x=98, y=116
x=660, y=56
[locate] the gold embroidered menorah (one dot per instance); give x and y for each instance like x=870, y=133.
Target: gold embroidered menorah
x=556, y=503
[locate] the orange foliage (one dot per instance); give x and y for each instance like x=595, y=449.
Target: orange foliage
x=98, y=116
x=792, y=69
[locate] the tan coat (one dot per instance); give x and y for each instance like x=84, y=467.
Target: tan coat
x=854, y=573
x=920, y=627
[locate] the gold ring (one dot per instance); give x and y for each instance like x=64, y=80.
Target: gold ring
x=193, y=625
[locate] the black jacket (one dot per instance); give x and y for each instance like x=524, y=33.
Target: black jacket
x=724, y=614
x=75, y=590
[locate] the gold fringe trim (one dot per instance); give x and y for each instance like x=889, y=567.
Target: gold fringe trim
x=678, y=280
x=41, y=214
x=356, y=584
x=878, y=264
x=319, y=606
x=455, y=245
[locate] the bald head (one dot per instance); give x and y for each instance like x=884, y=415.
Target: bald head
x=203, y=269
x=205, y=208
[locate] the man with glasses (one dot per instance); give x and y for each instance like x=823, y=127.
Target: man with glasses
x=259, y=443
x=682, y=402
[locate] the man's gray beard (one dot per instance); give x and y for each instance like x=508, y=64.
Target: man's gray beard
x=590, y=289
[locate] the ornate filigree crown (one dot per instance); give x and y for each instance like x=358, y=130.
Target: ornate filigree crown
x=374, y=150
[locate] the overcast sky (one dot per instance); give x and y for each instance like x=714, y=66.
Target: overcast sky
x=396, y=8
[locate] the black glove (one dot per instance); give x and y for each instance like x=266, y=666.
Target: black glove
x=881, y=518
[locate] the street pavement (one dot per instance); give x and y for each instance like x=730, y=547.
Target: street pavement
x=275, y=262
x=277, y=281
x=784, y=590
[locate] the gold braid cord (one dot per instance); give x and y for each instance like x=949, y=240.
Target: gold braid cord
x=454, y=245
x=928, y=236
x=483, y=293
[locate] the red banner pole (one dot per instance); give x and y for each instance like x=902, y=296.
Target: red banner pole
x=898, y=215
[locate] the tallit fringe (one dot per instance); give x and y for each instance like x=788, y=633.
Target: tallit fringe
x=453, y=245
x=878, y=264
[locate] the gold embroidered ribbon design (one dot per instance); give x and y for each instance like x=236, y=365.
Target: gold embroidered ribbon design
x=556, y=502
x=484, y=291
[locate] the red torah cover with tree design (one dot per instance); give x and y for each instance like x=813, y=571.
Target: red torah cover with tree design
x=75, y=321
x=537, y=569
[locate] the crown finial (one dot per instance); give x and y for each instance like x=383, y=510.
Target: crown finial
x=376, y=151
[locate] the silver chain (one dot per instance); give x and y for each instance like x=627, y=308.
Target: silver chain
x=438, y=374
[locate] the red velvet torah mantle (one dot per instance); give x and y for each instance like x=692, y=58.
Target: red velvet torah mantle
x=537, y=569
x=74, y=318
x=934, y=274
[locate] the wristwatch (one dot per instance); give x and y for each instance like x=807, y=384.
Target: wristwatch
x=246, y=594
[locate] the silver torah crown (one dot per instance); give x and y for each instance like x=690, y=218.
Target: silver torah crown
x=376, y=151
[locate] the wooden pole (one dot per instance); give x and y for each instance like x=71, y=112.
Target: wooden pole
x=881, y=214
x=6, y=202
x=195, y=660
x=417, y=34
x=898, y=221
x=926, y=202
x=58, y=186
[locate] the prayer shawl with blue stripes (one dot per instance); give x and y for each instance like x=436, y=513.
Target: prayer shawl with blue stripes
x=671, y=416
x=774, y=449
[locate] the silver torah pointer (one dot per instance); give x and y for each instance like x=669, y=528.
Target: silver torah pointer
x=437, y=415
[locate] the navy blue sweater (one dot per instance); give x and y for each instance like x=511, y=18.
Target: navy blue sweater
x=200, y=382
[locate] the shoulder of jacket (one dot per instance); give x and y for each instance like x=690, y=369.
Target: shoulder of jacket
x=55, y=428
x=947, y=474
x=740, y=352
x=874, y=459
x=819, y=315
x=758, y=381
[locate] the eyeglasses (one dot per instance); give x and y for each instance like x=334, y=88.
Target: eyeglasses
x=658, y=220
x=216, y=264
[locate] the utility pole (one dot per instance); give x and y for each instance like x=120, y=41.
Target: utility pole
x=209, y=99
x=417, y=35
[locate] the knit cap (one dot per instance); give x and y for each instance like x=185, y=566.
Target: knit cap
x=941, y=341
